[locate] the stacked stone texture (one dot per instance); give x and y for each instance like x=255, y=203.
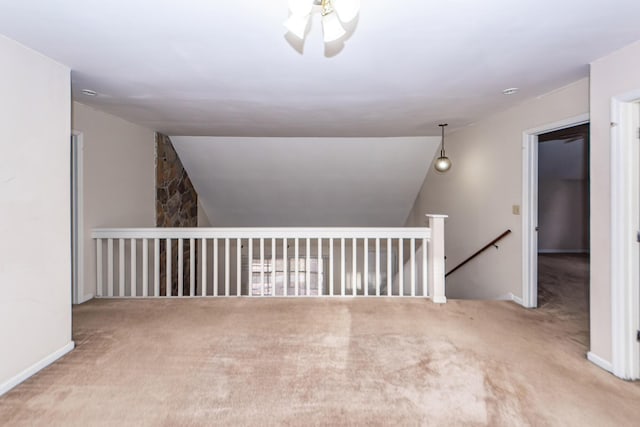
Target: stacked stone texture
x=176, y=206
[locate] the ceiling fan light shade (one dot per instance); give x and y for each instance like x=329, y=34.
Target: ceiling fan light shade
x=297, y=25
x=347, y=10
x=442, y=164
x=332, y=28
x=300, y=7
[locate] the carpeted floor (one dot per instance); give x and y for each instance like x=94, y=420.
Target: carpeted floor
x=323, y=362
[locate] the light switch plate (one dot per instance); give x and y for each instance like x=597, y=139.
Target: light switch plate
x=515, y=209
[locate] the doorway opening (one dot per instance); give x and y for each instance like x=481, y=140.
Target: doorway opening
x=530, y=146
x=563, y=226
x=77, y=231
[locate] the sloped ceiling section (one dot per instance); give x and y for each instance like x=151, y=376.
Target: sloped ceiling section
x=304, y=182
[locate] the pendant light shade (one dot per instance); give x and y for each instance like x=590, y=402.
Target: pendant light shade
x=347, y=9
x=336, y=15
x=442, y=163
x=331, y=27
x=297, y=25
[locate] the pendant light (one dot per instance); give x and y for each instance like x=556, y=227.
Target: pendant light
x=335, y=15
x=443, y=164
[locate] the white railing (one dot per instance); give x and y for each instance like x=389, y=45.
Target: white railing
x=283, y=262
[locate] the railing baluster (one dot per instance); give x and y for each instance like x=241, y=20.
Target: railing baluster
x=169, y=263
x=413, y=266
x=401, y=267
x=250, y=266
x=319, y=268
x=343, y=273
x=99, y=289
x=377, y=267
x=145, y=267
x=307, y=268
x=215, y=267
x=354, y=266
x=285, y=267
x=261, y=267
x=134, y=273
x=273, y=267
x=297, y=266
x=227, y=266
x=121, y=250
x=331, y=266
x=180, y=267
x=110, y=267
x=156, y=267
x=424, y=267
x=389, y=270
x=192, y=267
x=238, y=267
x=203, y=282
x=365, y=281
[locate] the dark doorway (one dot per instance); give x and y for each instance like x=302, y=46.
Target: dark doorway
x=563, y=224
x=563, y=220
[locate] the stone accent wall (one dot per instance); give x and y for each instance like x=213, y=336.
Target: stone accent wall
x=176, y=206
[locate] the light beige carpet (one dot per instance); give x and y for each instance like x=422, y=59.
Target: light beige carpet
x=322, y=362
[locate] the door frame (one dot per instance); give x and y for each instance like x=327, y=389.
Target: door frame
x=77, y=229
x=530, y=204
x=625, y=223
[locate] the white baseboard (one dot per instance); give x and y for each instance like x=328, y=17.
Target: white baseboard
x=600, y=362
x=439, y=300
x=510, y=297
x=86, y=298
x=563, y=251
x=33, y=369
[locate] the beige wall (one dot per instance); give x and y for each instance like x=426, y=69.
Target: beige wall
x=611, y=76
x=35, y=271
x=479, y=191
x=119, y=181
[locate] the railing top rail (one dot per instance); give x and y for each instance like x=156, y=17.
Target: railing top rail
x=263, y=233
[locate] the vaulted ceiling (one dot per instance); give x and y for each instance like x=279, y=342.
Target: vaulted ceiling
x=306, y=182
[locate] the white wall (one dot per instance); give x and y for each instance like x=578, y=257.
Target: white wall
x=613, y=75
x=119, y=178
x=479, y=191
x=35, y=271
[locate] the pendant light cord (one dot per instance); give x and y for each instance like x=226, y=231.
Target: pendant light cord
x=442, y=148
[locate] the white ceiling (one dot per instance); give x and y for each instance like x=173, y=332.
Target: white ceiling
x=224, y=68
x=277, y=182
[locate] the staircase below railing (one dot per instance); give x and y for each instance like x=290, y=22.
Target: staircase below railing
x=282, y=262
x=484, y=248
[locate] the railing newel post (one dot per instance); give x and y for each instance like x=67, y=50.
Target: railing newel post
x=436, y=259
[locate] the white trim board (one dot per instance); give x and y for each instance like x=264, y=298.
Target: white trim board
x=530, y=204
x=625, y=216
x=78, y=293
x=86, y=298
x=599, y=361
x=510, y=297
x=35, y=368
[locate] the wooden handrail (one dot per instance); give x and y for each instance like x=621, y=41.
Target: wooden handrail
x=484, y=248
